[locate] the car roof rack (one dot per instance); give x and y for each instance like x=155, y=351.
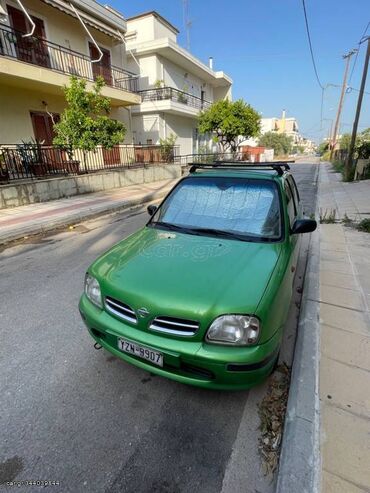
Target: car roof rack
x=279, y=166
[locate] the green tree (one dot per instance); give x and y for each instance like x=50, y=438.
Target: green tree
x=281, y=143
x=85, y=122
x=231, y=122
x=323, y=147
x=345, y=141
x=167, y=147
x=363, y=144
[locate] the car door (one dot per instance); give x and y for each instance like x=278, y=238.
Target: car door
x=293, y=210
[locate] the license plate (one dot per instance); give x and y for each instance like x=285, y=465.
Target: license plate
x=140, y=351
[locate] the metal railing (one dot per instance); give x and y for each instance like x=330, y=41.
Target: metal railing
x=172, y=94
x=36, y=161
x=208, y=158
x=43, y=53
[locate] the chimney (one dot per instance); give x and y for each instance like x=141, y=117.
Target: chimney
x=210, y=62
x=283, y=116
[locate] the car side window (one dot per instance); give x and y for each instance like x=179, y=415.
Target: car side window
x=291, y=207
x=294, y=189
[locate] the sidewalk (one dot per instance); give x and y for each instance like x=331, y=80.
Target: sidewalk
x=344, y=376
x=35, y=218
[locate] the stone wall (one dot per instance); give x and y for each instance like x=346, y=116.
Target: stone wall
x=17, y=194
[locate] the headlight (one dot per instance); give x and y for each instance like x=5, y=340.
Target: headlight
x=92, y=290
x=237, y=330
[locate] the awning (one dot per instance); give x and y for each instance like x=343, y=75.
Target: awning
x=108, y=27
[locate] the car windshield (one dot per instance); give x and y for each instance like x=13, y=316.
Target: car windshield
x=240, y=208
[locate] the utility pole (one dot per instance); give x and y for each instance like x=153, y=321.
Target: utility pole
x=358, y=111
x=341, y=100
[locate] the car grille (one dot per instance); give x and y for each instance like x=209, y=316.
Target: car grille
x=120, y=309
x=176, y=326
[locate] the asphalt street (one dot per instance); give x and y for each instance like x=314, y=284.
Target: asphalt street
x=90, y=421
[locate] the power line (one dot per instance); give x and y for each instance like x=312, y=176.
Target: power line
x=310, y=43
x=350, y=89
x=359, y=46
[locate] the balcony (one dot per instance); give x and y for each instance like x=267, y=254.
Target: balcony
x=170, y=100
x=49, y=64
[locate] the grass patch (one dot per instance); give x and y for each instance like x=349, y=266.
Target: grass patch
x=346, y=220
x=328, y=217
x=338, y=166
x=364, y=225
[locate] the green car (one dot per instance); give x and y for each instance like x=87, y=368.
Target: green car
x=201, y=293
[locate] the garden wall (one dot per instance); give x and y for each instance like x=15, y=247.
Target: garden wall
x=17, y=194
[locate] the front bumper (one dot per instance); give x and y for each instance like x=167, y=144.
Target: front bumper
x=190, y=362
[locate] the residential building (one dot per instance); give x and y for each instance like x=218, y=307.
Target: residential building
x=42, y=43
x=175, y=85
x=288, y=126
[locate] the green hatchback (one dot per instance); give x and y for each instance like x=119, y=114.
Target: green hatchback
x=202, y=292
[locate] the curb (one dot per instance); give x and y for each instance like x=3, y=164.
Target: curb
x=299, y=467
x=78, y=217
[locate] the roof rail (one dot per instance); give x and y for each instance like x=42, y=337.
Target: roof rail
x=279, y=166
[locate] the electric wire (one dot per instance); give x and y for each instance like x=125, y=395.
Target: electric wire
x=358, y=51
x=310, y=44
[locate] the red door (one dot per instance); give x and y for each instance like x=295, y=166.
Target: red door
x=102, y=68
x=42, y=123
x=30, y=49
x=43, y=127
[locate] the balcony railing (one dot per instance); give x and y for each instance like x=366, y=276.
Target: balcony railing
x=44, y=53
x=172, y=94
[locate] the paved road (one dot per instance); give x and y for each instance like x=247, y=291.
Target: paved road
x=90, y=421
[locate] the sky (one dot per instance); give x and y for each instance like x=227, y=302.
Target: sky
x=263, y=46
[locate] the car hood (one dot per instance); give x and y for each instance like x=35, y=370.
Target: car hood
x=186, y=276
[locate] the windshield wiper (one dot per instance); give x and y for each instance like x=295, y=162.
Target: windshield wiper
x=169, y=226
x=231, y=234
x=211, y=231
x=219, y=233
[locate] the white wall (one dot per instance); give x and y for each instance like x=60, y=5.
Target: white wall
x=178, y=77
x=150, y=70
x=162, y=31
x=184, y=129
x=148, y=28
x=147, y=127
x=144, y=27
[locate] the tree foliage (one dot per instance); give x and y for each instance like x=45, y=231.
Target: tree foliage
x=362, y=143
x=344, y=141
x=85, y=122
x=281, y=143
x=167, y=147
x=323, y=147
x=231, y=122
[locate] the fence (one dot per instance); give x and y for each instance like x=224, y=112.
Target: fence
x=209, y=158
x=35, y=161
x=43, y=53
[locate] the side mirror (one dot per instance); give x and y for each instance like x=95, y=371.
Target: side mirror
x=151, y=209
x=304, y=226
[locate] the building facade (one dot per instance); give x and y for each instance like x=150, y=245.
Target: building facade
x=175, y=86
x=43, y=43
x=283, y=125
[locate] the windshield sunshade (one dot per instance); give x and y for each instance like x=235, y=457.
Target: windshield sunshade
x=246, y=207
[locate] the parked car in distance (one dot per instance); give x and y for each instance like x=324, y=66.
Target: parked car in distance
x=202, y=292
